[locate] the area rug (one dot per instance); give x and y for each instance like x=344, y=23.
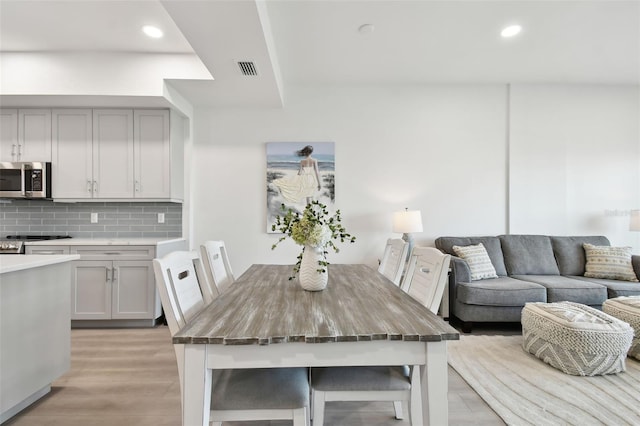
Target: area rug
x=523, y=390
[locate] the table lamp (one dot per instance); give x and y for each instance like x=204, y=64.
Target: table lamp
x=634, y=220
x=406, y=222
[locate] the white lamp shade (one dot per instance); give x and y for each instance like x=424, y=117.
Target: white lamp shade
x=407, y=221
x=634, y=221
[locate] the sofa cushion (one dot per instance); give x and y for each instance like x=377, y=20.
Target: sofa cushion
x=569, y=252
x=528, y=254
x=478, y=260
x=503, y=291
x=491, y=244
x=615, y=288
x=561, y=289
x=613, y=263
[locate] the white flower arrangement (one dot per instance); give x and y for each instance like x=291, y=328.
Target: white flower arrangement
x=307, y=233
x=315, y=228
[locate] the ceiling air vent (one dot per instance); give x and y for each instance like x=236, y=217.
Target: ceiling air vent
x=247, y=68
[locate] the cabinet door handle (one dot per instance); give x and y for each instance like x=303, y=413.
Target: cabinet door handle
x=137, y=186
x=107, y=274
x=95, y=187
x=19, y=151
x=114, y=274
x=89, y=186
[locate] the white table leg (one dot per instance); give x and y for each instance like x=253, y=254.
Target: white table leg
x=197, y=387
x=435, y=385
x=417, y=412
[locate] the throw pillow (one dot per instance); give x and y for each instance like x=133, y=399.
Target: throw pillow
x=612, y=263
x=478, y=260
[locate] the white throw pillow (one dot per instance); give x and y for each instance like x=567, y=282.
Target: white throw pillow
x=478, y=260
x=612, y=263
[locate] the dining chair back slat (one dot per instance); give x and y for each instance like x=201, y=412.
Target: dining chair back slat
x=186, y=287
x=426, y=277
x=393, y=259
x=179, y=287
x=217, y=266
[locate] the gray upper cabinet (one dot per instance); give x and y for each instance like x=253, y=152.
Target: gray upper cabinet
x=8, y=134
x=113, y=153
x=72, y=153
x=25, y=135
x=34, y=135
x=151, y=154
x=116, y=154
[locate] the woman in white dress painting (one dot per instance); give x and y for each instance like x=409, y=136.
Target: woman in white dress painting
x=305, y=184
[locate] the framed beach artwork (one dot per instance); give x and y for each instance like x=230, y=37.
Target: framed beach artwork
x=298, y=173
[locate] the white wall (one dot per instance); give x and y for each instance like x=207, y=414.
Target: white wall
x=566, y=162
x=440, y=149
x=90, y=73
x=574, y=160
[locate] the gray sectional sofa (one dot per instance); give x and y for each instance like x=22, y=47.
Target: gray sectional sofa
x=529, y=268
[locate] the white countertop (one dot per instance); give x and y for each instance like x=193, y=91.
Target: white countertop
x=17, y=262
x=104, y=242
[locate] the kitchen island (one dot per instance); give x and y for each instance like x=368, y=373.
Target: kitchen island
x=35, y=334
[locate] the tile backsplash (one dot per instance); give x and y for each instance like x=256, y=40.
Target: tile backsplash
x=115, y=220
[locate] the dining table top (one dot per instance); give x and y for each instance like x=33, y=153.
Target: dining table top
x=263, y=306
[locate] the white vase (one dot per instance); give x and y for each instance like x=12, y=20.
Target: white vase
x=309, y=277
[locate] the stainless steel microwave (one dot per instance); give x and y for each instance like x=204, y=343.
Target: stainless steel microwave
x=28, y=180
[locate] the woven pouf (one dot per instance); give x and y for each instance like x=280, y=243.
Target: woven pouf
x=576, y=339
x=627, y=309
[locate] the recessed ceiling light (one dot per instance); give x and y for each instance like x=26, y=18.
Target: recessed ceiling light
x=366, y=28
x=152, y=31
x=511, y=31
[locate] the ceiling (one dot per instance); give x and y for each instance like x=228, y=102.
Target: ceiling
x=317, y=42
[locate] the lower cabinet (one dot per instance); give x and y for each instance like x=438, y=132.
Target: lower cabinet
x=111, y=286
x=133, y=290
x=91, y=290
x=123, y=289
x=113, y=283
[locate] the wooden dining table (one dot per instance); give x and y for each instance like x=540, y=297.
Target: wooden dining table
x=266, y=320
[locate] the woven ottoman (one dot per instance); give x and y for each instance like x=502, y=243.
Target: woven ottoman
x=576, y=339
x=627, y=309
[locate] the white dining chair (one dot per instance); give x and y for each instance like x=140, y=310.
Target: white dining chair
x=427, y=275
x=393, y=259
x=239, y=394
x=217, y=267
x=397, y=384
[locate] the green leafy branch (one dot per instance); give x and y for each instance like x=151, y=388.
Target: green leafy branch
x=315, y=226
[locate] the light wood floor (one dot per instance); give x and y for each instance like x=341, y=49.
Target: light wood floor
x=128, y=377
